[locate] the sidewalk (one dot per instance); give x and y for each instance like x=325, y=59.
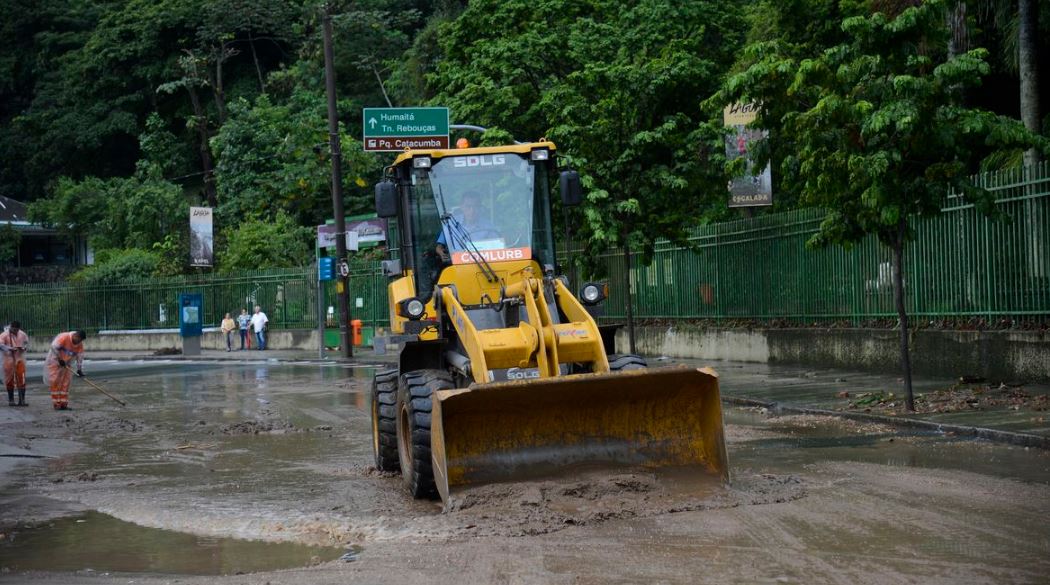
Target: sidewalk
x=364, y=355
x=1013, y=414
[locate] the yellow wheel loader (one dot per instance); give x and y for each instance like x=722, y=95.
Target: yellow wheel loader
x=503, y=373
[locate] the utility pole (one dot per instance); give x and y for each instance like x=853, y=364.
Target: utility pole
x=343, y=282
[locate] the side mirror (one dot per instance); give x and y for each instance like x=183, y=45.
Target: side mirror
x=386, y=199
x=571, y=190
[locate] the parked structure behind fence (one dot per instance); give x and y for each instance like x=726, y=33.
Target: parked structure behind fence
x=962, y=264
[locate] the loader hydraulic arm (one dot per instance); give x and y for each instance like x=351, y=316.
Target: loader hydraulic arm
x=540, y=342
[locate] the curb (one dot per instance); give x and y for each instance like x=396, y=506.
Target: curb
x=255, y=360
x=1012, y=438
x=362, y=361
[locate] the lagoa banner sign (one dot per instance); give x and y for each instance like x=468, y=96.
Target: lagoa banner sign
x=498, y=255
x=755, y=187
x=201, y=236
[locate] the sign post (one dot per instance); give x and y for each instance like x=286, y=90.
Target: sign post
x=337, y=180
x=395, y=129
x=325, y=272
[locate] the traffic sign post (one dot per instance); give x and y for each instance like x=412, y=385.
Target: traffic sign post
x=325, y=272
x=395, y=129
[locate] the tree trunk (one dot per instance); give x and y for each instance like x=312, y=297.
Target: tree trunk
x=630, y=300
x=220, y=93
x=205, y=150
x=902, y=315
x=959, y=42
x=255, y=59
x=1028, y=67
x=1027, y=53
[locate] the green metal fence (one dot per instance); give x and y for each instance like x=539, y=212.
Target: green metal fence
x=962, y=265
x=289, y=298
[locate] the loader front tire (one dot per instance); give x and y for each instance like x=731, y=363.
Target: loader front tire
x=413, y=428
x=384, y=420
x=627, y=361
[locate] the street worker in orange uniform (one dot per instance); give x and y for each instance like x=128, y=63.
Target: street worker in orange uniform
x=57, y=375
x=13, y=345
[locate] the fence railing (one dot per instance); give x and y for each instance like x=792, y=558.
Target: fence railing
x=962, y=264
x=289, y=298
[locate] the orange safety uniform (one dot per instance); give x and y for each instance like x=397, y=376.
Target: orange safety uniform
x=57, y=377
x=13, y=348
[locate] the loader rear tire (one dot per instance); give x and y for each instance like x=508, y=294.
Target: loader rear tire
x=413, y=428
x=384, y=420
x=627, y=361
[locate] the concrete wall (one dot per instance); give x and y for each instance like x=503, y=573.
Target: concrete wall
x=996, y=355
x=150, y=341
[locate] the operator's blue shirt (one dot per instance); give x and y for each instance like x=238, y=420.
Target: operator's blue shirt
x=482, y=228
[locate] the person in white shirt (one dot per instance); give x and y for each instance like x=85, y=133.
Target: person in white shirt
x=259, y=322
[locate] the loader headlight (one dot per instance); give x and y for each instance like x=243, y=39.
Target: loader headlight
x=412, y=308
x=540, y=154
x=592, y=293
x=421, y=162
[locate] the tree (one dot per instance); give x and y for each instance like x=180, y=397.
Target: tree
x=879, y=135
x=255, y=244
x=118, y=266
x=273, y=158
x=10, y=239
x=617, y=87
x=194, y=79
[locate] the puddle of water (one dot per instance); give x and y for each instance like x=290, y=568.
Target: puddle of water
x=102, y=543
x=826, y=441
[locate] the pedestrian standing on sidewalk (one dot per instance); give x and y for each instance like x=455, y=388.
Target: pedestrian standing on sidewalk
x=228, y=327
x=242, y=321
x=259, y=322
x=13, y=345
x=57, y=374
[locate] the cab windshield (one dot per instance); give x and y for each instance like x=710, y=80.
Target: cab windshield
x=494, y=206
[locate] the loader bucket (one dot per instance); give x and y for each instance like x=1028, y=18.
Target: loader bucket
x=506, y=431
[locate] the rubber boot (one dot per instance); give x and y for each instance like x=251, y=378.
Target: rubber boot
x=22, y=397
x=10, y=396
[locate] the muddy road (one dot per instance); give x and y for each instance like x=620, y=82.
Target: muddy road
x=263, y=469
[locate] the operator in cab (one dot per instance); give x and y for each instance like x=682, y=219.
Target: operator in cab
x=474, y=223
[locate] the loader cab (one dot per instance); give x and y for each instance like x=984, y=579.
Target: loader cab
x=487, y=202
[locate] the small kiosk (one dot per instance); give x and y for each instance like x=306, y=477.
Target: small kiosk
x=190, y=311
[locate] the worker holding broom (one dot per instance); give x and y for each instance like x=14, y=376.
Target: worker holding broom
x=13, y=345
x=57, y=371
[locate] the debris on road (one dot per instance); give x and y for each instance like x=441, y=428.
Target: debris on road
x=958, y=397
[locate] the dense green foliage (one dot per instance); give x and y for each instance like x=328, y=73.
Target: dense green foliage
x=617, y=87
x=119, y=266
x=256, y=244
x=117, y=115
x=877, y=130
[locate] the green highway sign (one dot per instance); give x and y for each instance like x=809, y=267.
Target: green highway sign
x=395, y=129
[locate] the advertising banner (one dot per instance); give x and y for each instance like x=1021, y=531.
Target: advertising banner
x=201, y=236
x=359, y=233
x=754, y=188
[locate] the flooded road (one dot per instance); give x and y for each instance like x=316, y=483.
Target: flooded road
x=281, y=453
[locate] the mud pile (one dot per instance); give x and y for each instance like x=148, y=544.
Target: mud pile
x=549, y=505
